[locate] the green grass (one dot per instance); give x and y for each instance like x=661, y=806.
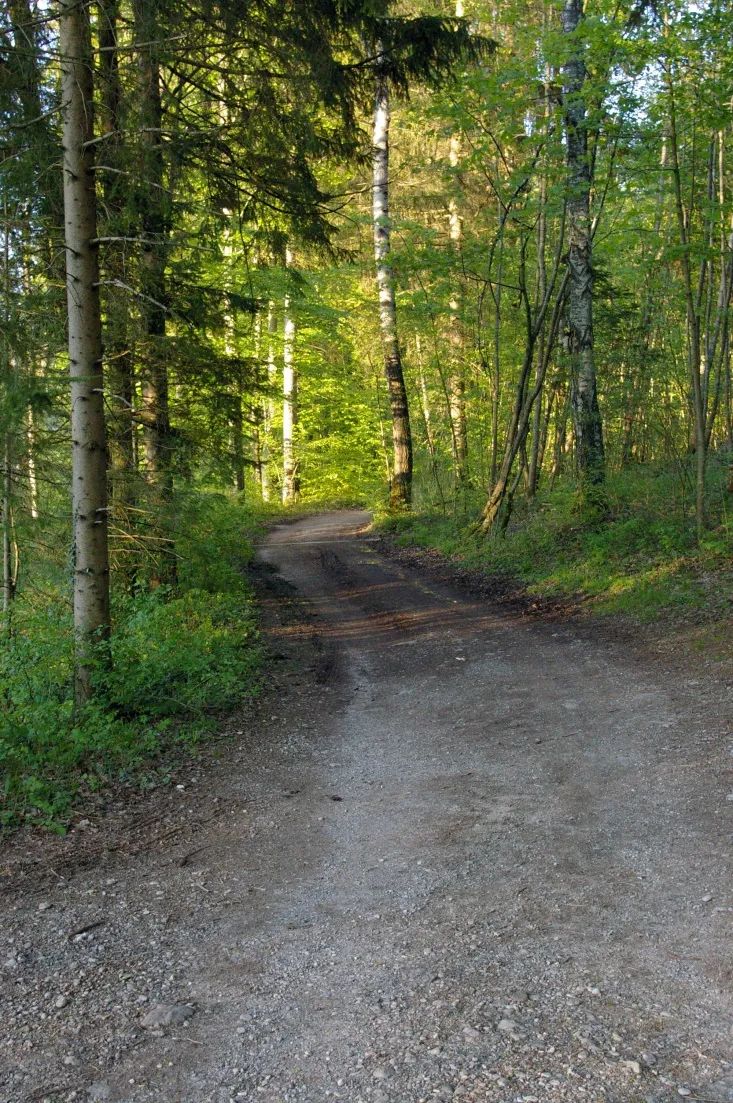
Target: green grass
x=179, y=658
x=642, y=559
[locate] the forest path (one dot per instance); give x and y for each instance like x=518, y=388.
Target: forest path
x=467, y=856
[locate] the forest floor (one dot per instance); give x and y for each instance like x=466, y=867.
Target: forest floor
x=455, y=852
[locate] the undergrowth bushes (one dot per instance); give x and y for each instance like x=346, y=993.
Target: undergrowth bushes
x=178, y=657
x=643, y=558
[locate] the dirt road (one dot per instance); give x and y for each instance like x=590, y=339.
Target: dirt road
x=459, y=856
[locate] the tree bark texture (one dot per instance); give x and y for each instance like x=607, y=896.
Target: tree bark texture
x=401, y=481
x=586, y=413
x=89, y=445
x=291, y=481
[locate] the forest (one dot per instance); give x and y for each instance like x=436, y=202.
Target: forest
x=467, y=264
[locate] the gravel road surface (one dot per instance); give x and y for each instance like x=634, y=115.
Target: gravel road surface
x=453, y=855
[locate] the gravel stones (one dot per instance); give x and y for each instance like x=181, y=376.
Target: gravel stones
x=510, y=1029
x=167, y=1014
x=99, y=1092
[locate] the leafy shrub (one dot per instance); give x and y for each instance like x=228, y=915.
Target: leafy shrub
x=641, y=559
x=182, y=656
x=177, y=659
x=215, y=542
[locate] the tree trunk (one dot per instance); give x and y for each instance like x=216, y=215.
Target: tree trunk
x=118, y=354
x=30, y=436
x=152, y=206
x=521, y=413
x=401, y=481
x=457, y=379
x=496, y=367
x=586, y=413
x=256, y=416
x=427, y=420
x=236, y=418
x=291, y=481
x=560, y=448
x=545, y=427
x=8, y=369
x=694, y=335
x=237, y=423
x=89, y=445
x=8, y=580
x=535, y=459
x=536, y=317
x=639, y=381
x=153, y=225
x=268, y=405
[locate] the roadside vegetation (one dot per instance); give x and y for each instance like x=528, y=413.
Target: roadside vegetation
x=642, y=558
x=180, y=655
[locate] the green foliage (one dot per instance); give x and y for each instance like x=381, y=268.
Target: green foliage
x=177, y=658
x=642, y=560
x=214, y=538
x=183, y=656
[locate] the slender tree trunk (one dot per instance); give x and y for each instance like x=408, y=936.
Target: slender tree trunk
x=401, y=482
x=8, y=374
x=536, y=319
x=728, y=395
x=152, y=205
x=496, y=367
x=7, y=534
x=457, y=379
x=545, y=427
x=257, y=409
x=30, y=436
x=236, y=419
x=560, y=444
x=268, y=405
x=534, y=460
x=89, y=445
x=428, y=420
x=694, y=338
x=718, y=328
x=238, y=443
x=151, y=199
x=37, y=138
x=291, y=481
x=424, y=397
x=521, y=413
x=586, y=413
x=118, y=353
x=535, y=463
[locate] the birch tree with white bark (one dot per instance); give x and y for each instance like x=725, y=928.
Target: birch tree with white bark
x=290, y=486
x=401, y=478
